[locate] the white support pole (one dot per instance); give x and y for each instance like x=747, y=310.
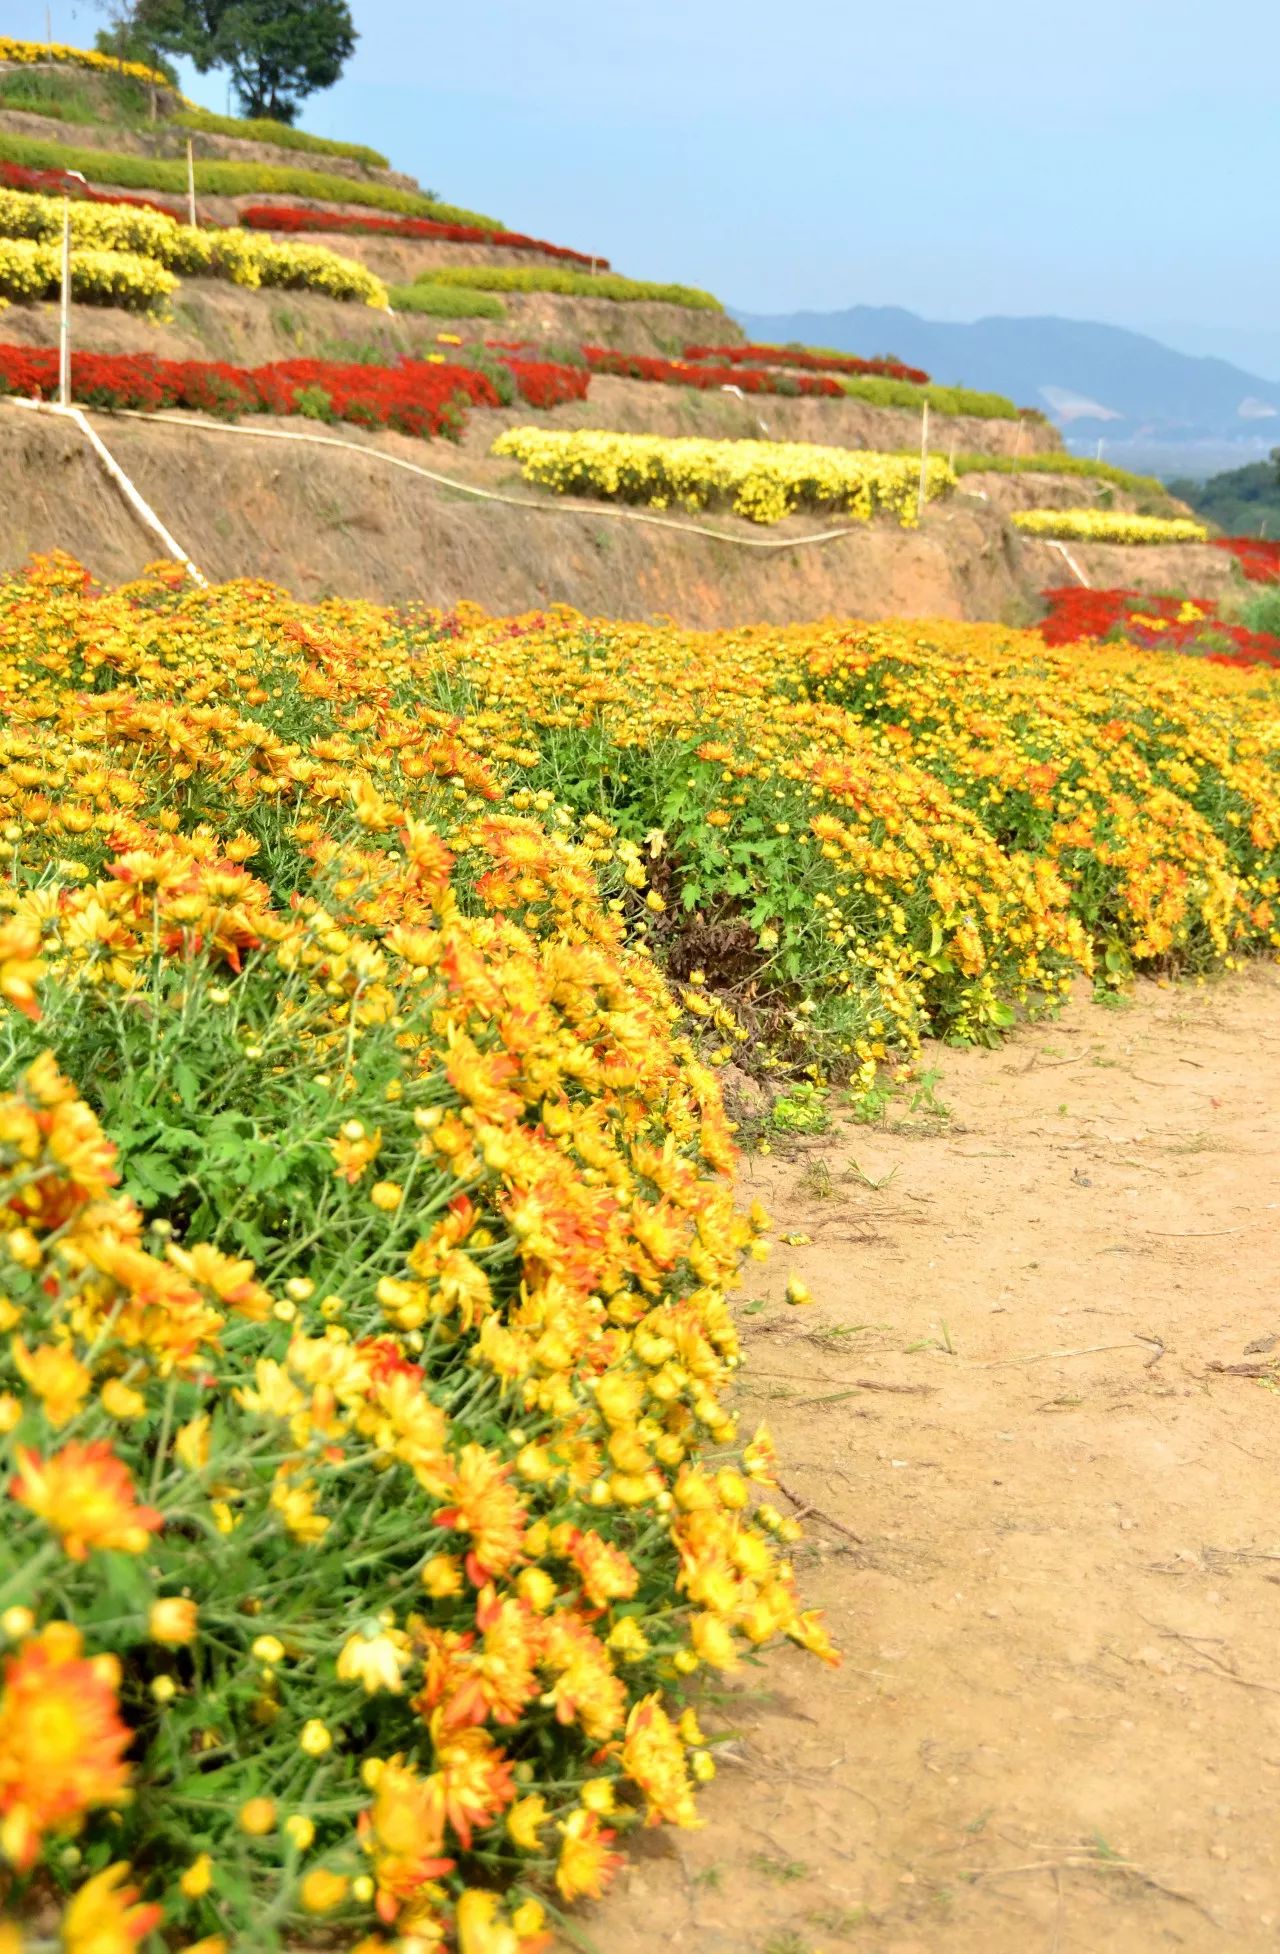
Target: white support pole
x=64, y=322
x=191, y=186
x=924, y=461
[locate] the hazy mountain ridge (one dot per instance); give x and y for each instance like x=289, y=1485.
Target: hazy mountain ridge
x=1145, y=401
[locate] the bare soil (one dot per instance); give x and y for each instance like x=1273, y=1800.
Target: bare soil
x=326, y=521
x=1043, y=1520
x=1156, y=568
x=1031, y=490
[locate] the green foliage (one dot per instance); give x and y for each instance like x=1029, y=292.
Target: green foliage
x=282, y=134
x=131, y=40
x=880, y=392
x=801, y=1109
x=276, y=51
x=570, y=284
x=62, y=97
x=315, y=403
x=1242, y=501
x=1261, y=609
x=446, y=302
x=1055, y=463
x=216, y=178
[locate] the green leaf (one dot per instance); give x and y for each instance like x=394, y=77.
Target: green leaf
x=186, y=1082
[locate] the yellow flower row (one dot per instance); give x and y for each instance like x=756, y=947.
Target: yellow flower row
x=393, y=1374
x=763, y=481
x=1107, y=526
x=30, y=271
x=237, y=255
x=31, y=52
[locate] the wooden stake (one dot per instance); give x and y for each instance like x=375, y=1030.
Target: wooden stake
x=64, y=322
x=924, y=460
x=191, y=186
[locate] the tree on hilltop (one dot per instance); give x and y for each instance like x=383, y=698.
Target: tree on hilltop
x=277, y=52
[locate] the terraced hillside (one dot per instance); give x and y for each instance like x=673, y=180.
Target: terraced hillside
x=335, y=312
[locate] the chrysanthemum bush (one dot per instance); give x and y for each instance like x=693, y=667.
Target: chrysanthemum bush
x=367, y=1234
x=763, y=481
x=846, y=839
x=230, y=253
x=39, y=52
x=1108, y=526
x=30, y=271
x=365, y=1240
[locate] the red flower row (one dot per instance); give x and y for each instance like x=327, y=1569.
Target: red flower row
x=640, y=366
x=545, y=383
x=1154, y=624
x=1259, y=559
x=887, y=369
x=293, y=217
x=415, y=397
x=16, y=176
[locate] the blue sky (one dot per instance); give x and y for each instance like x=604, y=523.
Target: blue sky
x=1114, y=159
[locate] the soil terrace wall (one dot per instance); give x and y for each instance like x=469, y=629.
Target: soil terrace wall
x=335, y=522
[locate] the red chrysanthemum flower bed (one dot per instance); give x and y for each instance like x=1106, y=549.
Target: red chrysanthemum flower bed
x=887, y=369
x=545, y=383
x=416, y=397
x=295, y=218
x=1258, y=558
x=1154, y=624
x=16, y=176
x=680, y=373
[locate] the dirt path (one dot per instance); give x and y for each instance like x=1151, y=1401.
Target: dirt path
x=1057, y=1729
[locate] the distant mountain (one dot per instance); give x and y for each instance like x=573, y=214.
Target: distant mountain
x=1151, y=407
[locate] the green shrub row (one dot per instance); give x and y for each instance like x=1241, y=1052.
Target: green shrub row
x=570, y=284
x=442, y=302
x=942, y=400
x=1061, y=464
x=262, y=129
x=222, y=179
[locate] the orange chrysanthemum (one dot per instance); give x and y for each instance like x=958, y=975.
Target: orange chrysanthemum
x=85, y=1494
x=585, y=1865
x=489, y=1509
x=104, y=1917
x=62, y=1742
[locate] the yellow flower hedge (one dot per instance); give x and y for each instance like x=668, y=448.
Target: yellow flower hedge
x=866, y=835
x=366, y=1240
x=233, y=254
x=1107, y=526
x=761, y=480
x=78, y=57
x=31, y=271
